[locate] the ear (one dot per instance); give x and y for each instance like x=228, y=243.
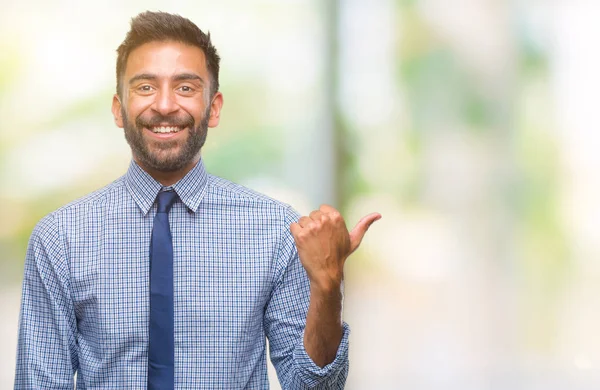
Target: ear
x=116, y=110
x=215, y=110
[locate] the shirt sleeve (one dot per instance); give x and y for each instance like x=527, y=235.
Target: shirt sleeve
x=285, y=320
x=46, y=351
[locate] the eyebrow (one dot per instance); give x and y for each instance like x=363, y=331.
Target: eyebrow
x=178, y=77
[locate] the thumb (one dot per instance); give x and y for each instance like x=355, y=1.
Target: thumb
x=357, y=234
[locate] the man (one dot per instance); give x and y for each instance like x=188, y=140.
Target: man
x=171, y=278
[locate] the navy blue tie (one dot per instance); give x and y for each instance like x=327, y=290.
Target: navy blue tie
x=161, y=337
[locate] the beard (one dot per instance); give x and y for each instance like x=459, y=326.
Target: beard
x=161, y=156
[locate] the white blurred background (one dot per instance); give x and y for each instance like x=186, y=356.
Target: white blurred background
x=469, y=124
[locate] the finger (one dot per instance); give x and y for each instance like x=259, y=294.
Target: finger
x=327, y=209
x=295, y=229
x=333, y=214
x=357, y=234
x=316, y=215
x=304, y=221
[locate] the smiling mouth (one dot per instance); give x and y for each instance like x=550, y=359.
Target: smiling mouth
x=165, y=129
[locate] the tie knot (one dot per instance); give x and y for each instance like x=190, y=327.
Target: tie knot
x=166, y=199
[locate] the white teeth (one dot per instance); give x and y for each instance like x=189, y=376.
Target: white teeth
x=163, y=129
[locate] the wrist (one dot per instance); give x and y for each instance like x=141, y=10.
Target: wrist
x=327, y=287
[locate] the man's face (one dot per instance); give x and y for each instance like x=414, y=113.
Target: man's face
x=166, y=108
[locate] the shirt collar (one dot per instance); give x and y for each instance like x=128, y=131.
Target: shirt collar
x=144, y=188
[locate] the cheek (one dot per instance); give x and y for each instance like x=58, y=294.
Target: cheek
x=196, y=110
x=137, y=106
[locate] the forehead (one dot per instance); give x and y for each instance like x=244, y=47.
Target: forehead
x=166, y=59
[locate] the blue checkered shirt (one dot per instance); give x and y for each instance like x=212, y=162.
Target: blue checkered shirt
x=237, y=282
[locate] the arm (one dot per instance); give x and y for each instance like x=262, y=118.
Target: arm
x=46, y=352
x=285, y=322
x=324, y=244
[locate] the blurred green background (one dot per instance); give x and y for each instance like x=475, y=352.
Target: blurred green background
x=469, y=124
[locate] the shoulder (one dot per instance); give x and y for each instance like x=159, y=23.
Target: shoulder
x=79, y=207
x=226, y=192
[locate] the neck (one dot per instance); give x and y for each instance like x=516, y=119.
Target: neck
x=168, y=178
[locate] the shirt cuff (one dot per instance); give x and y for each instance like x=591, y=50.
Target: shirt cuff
x=313, y=375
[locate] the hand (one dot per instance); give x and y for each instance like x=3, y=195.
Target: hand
x=324, y=244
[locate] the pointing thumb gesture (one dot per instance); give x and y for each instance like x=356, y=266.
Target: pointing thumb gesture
x=324, y=243
x=357, y=234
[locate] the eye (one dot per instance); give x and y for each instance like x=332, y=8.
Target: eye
x=145, y=88
x=186, y=89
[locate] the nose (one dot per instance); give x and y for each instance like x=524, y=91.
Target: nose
x=165, y=102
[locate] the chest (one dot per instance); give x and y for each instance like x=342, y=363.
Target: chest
x=222, y=264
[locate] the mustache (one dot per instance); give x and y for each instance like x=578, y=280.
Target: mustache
x=168, y=120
